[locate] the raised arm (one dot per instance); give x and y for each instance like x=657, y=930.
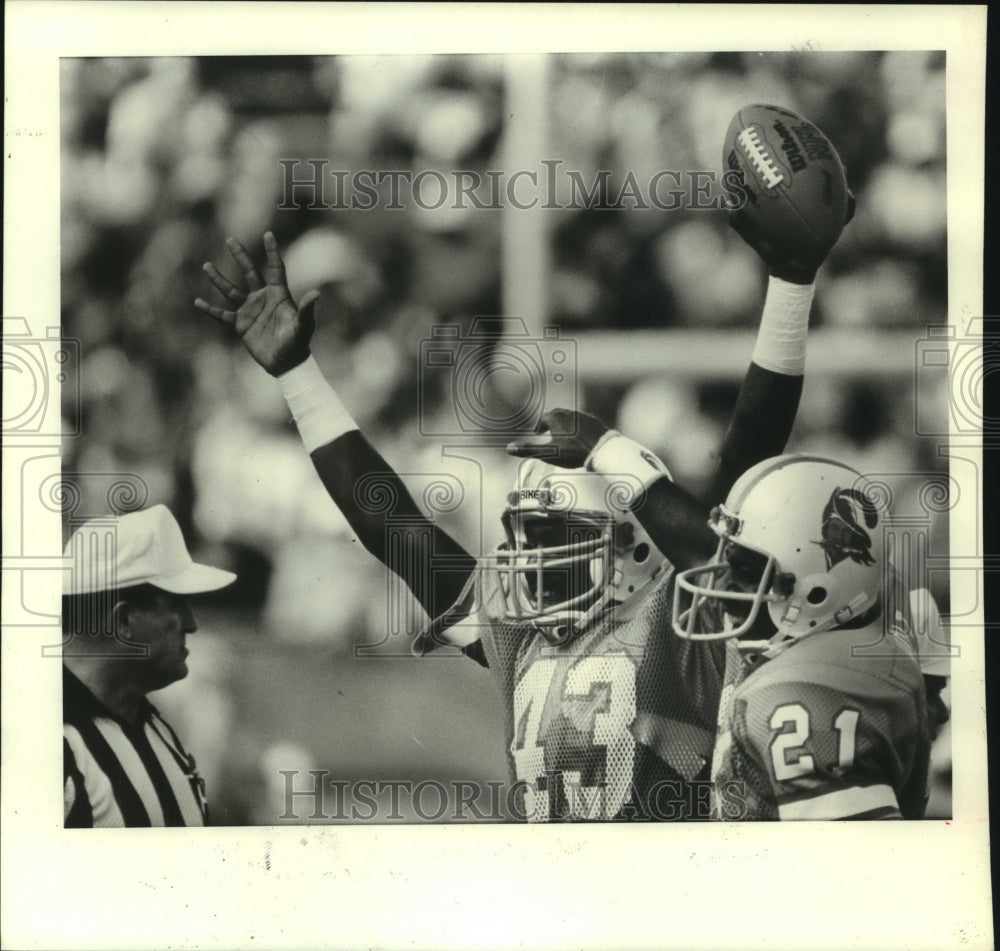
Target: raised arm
x=761, y=423
x=769, y=397
x=277, y=334
x=433, y=565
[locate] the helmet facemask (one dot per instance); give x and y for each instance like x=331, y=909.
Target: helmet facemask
x=723, y=599
x=554, y=570
x=569, y=553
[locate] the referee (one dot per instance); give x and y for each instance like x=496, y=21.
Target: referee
x=125, y=620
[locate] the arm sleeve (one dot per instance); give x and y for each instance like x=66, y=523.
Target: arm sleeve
x=677, y=522
x=431, y=563
x=762, y=421
x=761, y=424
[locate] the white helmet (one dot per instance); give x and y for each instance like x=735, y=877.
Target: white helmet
x=801, y=534
x=573, y=547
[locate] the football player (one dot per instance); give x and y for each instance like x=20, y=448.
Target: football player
x=608, y=716
x=823, y=712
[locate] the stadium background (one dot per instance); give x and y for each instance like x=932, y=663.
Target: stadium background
x=302, y=664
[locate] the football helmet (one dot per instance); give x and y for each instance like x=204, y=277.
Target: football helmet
x=572, y=548
x=799, y=534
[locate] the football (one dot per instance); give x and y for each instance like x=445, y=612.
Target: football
x=794, y=182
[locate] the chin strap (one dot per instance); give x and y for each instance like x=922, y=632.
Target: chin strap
x=569, y=626
x=768, y=650
x=558, y=635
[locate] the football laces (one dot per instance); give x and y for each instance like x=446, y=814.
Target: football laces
x=755, y=150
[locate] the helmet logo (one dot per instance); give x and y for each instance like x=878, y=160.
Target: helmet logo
x=843, y=534
x=519, y=495
x=545, y=496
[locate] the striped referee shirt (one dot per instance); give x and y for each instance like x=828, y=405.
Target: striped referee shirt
x=120, y=774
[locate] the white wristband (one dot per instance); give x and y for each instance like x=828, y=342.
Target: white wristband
x=317, y=410
x=781, y=339
x=617, y=455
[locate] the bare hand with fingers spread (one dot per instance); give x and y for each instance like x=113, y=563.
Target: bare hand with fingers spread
x=274, y=330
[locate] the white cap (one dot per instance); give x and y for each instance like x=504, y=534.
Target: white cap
x=144, y=547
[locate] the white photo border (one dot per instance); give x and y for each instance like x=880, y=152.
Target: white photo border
x=902, y=885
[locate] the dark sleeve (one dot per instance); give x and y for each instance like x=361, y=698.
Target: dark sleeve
x=761, y=424
x=677, y=522
x=383, y=515
x=762, y=421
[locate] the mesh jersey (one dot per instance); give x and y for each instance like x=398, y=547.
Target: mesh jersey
x=833, y=727
x=619, y=723
x=914, y=613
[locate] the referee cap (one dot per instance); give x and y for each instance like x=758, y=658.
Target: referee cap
x=144, y=547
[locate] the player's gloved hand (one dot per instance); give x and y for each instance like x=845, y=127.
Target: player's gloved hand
x=563, y=437
x=789, y=264
x=273, y=329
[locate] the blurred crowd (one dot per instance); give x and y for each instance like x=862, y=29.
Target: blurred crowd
x=163, y=158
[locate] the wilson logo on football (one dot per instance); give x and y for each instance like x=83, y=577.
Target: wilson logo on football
x=843, y=536
x=756, y=151
x=817, y=148
x=790, y=147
